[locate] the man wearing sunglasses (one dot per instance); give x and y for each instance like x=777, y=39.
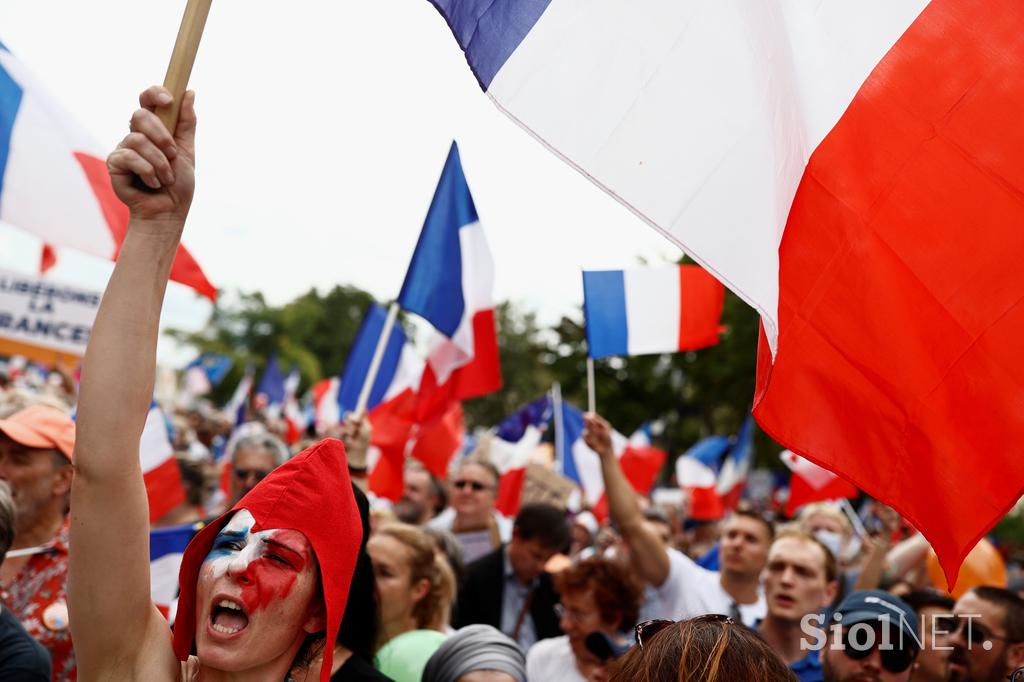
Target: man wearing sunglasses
x=986, y=633
x=876, y=639
x=253, y=457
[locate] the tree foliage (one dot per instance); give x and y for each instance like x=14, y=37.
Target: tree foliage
x=690, y=395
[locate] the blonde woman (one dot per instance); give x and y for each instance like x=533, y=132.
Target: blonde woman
x=416, y=588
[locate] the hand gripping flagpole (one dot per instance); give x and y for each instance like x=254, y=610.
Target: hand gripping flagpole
x=183, y=57
x=186, y=46
x=378, y=357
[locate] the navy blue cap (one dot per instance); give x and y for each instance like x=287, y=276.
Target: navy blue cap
x=871, y=606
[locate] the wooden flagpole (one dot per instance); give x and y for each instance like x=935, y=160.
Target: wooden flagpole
x=378, y=357
x=183, y=57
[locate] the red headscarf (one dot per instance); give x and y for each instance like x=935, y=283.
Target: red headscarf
x=310, y=493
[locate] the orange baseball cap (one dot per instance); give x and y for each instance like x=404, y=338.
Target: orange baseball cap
x=42, y=427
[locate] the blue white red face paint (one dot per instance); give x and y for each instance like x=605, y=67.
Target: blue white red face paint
x=260, y=567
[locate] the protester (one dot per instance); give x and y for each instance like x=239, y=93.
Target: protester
x=799, y=581
x=22, y=658
x=712, y=648
x=509, y=588
x=478, y=527
x=477, y=653
x=252, y=458
x=36, y=447
x=597, y=595
x=263, y=586
x=929, y=606
x=681, y=588
x=877, y=639
x=423, y=496
x=986, y=633
x=415, y=585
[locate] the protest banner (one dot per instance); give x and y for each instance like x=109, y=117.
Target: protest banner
x=44, y=320
x=544, y=485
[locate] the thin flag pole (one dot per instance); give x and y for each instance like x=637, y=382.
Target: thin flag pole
x=855, y=521
x=183, y=57
x=378, y=357
x=556, y=406
x=591, y=399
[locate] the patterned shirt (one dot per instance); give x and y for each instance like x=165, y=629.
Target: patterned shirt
x=38, y=598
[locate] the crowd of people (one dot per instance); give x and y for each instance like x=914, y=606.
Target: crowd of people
x=297, y=572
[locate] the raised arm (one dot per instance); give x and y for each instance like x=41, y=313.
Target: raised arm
x=648, y=552
x=113, y=620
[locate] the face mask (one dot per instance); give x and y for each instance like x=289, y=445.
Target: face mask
x=831, y=539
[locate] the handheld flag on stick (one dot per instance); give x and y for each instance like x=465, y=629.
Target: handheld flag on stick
x=651, y=310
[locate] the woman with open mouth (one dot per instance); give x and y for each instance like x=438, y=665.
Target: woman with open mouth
x=262, y=587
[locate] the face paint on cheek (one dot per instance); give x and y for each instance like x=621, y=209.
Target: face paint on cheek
x=270, y=582
x=264, y=571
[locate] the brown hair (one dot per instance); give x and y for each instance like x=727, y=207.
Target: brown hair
x=433, y=612
x=829, y=565
x=748, y=513
x=615, y=592
x=702, y=649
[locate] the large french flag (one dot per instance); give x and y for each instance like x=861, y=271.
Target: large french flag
x=159, y=467
x=450, y=283
x=850, y=169
x=514, y=440
x=651, y=310
x=577, y=462
x=53, y=177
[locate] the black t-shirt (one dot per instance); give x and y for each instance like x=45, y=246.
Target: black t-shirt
x=356, y=669
x=22, y=659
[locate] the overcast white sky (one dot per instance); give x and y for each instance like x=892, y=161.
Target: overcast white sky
x=323, y=128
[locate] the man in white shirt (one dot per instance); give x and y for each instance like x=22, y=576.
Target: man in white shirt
x=679, y=587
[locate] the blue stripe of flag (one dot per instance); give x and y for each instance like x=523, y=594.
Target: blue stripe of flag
x=10, y=102
x=604, y=306
x=357, y=365
x=572, y=431
x=171, y=540
x=433, y=285
x=489, y=31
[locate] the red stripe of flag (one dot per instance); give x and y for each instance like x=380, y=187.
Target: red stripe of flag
x=901, y=285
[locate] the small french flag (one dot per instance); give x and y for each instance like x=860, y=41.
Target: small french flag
x=651, y=310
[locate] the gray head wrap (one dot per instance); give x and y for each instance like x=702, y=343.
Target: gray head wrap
x=475, y=647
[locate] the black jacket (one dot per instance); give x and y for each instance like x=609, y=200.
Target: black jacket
x=482, y=592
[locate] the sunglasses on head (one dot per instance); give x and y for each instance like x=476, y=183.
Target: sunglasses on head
x=242, y=474
x=895, y=659
x=646, y=630
x=477, y=486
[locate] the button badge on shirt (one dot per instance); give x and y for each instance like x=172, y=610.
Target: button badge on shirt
x=55, y=617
